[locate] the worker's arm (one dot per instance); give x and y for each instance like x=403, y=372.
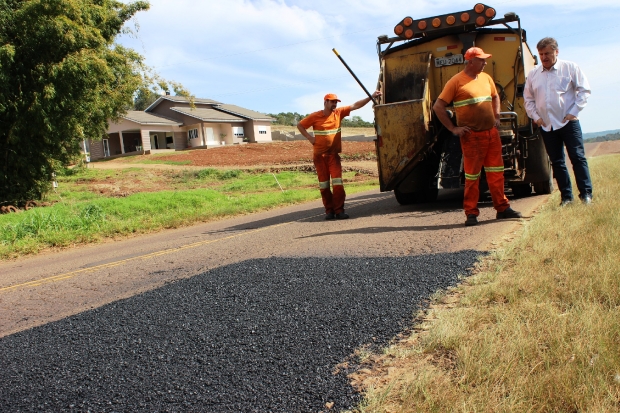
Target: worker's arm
x=363, y=102
x=304, y=132
x=495, y=102
x=440, y=110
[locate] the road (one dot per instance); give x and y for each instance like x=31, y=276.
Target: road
x=257, y=313
x=254, y=313
x=34, y=291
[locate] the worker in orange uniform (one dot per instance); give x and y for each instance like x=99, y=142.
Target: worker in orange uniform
x=476, y=104
x=327, y=147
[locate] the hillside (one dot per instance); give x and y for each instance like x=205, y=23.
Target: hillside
x=592, y=135
x=605, y=138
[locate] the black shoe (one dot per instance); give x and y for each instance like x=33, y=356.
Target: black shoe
x=342, y=215
x=587, y=200
x=566, y=202
x=329, y=216
x=508, y=213
x=471, y=220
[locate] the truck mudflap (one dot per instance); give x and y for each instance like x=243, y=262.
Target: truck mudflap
x=403, y=134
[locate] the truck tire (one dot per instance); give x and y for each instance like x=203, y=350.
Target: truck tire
x=521, y=190
x=543, y=188
x=409, y=198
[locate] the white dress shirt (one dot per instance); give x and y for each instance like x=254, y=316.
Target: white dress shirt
x=552, y=94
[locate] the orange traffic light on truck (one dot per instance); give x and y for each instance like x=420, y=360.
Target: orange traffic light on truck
x=479, y=16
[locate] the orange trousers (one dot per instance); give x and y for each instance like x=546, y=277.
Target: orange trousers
x=328, y=165
x=483, y=148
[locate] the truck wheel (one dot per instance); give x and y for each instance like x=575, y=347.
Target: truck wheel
x=522, y=190
x=543, y=188
x=409, y=198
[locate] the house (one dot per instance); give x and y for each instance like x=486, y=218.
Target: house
x=171, y=123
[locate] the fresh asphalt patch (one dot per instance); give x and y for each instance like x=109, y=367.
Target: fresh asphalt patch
x=261, y=335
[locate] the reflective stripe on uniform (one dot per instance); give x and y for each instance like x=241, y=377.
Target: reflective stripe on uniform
x=326, y=132
x=324, y=185
x=337, y=181
x=472, y=177
x=472, y=101
x=494, y=169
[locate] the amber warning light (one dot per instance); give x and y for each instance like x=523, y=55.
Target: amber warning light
x=409, y=28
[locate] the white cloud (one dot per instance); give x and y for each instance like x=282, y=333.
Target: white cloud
x=276, y=55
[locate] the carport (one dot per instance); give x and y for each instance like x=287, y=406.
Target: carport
x=138, y=132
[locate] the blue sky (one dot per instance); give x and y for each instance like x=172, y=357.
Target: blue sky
x=276, y=55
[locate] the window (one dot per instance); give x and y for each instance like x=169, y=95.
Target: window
x=192, y=133
x=262, y=130
x=238, y=131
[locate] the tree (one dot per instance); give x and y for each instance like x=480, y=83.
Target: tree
x=62, y=78
x=144, y=98
x=287, y=118
x=356, y=122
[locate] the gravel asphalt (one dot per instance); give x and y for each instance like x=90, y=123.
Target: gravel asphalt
x=257, y=336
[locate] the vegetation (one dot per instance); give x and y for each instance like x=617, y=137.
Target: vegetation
x=604, y=138
x=62, y=78
x=93, y=204
x=356, y=122
x=537, y=328
x=288, y=118
x=291, y=119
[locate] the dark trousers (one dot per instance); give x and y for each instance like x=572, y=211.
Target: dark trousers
x=568, y=136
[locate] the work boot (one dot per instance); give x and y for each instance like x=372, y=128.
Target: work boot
x=329, y=216
x=471, y=220
x=342, y=215
x=566, y=202
x=587, y=200
x=508, y=213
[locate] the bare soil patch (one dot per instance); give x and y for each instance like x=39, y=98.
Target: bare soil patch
x=265, y=154
x=602, y=148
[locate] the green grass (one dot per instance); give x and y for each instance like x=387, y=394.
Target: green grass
x=84, y=213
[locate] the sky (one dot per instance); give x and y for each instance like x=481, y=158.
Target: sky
x=276, y=56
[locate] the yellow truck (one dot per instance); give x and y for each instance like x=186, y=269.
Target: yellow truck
x=416, y=155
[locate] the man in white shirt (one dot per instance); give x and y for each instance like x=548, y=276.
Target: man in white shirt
x=554, y=95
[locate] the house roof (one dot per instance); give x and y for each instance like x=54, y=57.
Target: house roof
x=181, y=99
x=208, y=115
x=245, y=113
x=145, y=118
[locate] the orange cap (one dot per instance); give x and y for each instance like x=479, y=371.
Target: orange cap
x=331, y=96
x=476, y=52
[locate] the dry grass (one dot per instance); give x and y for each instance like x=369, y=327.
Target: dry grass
x=537, y=329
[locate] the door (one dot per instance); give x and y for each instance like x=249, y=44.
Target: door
x=106, y=148
x=209, y=134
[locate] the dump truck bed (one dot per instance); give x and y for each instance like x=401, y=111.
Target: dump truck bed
x=412, y=77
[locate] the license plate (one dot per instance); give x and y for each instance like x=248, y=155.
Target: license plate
x=455, y=59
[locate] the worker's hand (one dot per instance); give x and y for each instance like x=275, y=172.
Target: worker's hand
x=569, y=117
x=460, y=130
x=497, y=123
x=376, y=94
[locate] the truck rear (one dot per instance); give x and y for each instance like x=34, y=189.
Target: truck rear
x=416, y=155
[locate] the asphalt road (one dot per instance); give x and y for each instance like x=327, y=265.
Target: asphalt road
x=247, y=314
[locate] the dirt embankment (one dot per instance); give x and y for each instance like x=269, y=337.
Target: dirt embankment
x=281, y=155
